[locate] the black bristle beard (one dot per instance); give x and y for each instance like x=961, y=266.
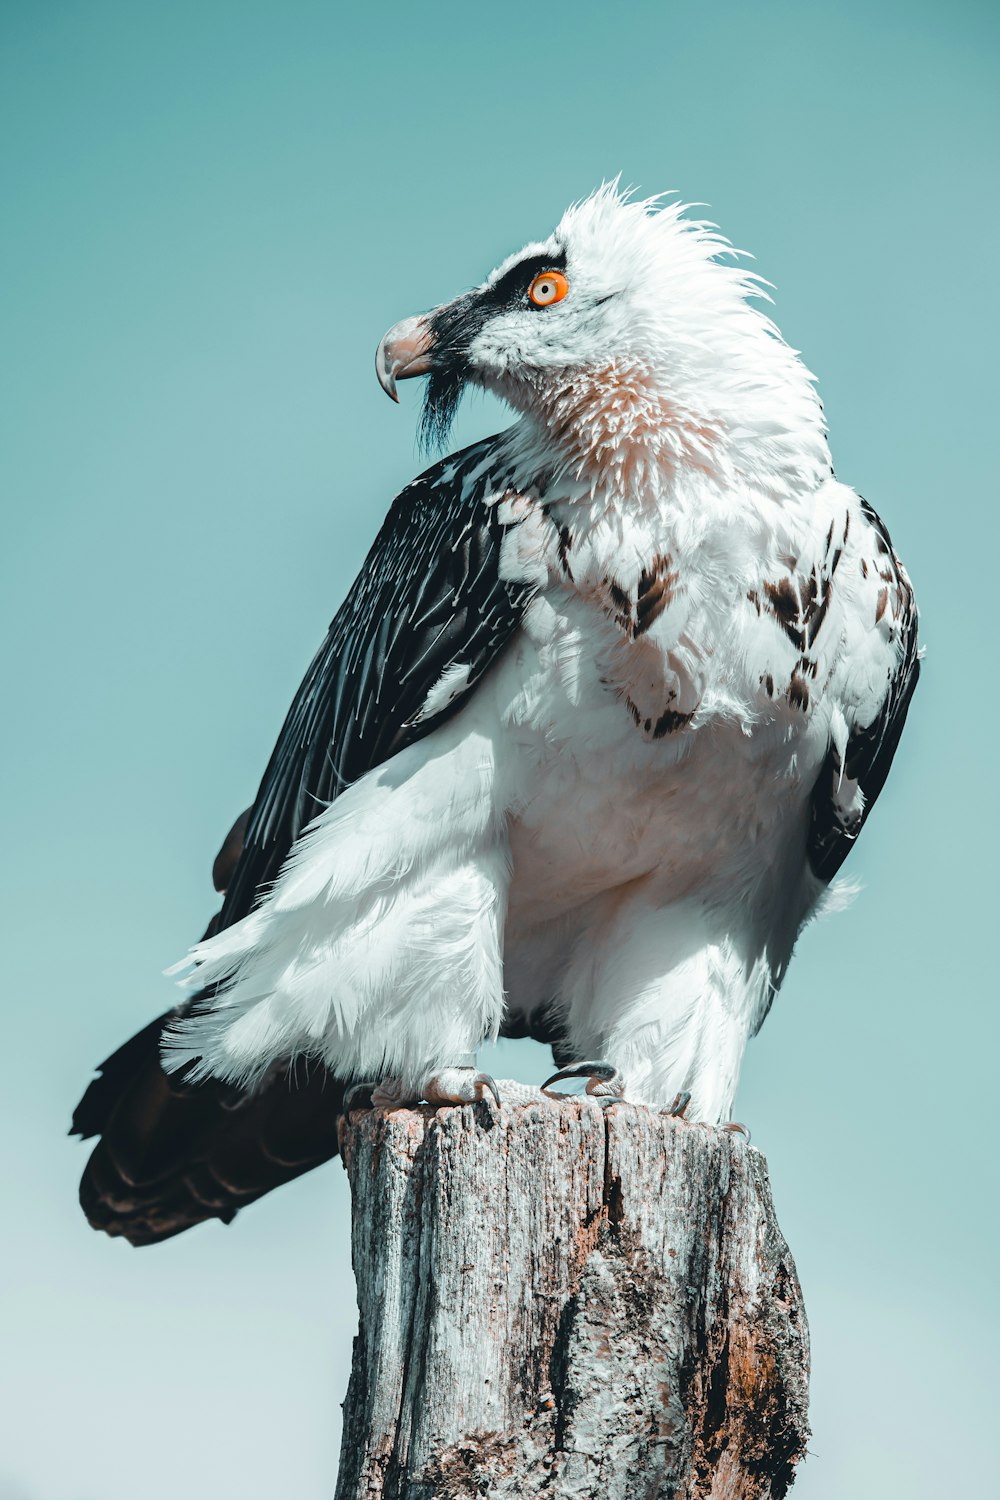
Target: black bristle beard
x=442, y=396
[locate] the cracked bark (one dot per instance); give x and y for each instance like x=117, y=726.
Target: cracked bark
x=560, y=1302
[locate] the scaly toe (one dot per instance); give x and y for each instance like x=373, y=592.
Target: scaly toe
x=678, y=1109
x=459, y=1086
x=603, y=1071
x=391, y=1094
x=604, y=1082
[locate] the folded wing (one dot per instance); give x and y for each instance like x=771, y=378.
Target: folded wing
x=855, y=773
x=432, y=609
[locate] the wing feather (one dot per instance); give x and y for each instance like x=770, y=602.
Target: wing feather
x=429, y=598
x=849, y=783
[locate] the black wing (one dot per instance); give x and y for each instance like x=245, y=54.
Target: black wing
x=429, y=597
x=870, y=750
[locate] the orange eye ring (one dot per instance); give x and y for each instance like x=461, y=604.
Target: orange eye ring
x=548, y=287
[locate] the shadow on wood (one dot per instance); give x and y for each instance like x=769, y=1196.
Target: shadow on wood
x=561, y=1302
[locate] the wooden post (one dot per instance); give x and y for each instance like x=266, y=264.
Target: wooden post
x=557, y=1301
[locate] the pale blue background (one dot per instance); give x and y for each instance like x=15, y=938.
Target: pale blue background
x=210, y=213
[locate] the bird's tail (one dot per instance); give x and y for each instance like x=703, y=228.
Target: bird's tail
x=172, y=1154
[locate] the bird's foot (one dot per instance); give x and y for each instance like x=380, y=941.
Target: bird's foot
x=459, y=1086
x=360, y=1096
x=678, y=1109
x=447, y=1086
x=605, y=1084
x=393, y=1093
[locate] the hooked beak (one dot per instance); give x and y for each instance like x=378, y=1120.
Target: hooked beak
x=404, y=352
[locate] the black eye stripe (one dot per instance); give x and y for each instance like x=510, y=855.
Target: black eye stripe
x=512, y=288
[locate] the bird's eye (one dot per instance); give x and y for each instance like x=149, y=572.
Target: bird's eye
x=548, y=287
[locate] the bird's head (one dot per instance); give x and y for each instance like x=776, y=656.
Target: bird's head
x=629, y=331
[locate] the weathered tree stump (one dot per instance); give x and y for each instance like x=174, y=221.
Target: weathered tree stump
x=561, y=1302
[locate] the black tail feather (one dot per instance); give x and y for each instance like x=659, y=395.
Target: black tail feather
x=172, y=1154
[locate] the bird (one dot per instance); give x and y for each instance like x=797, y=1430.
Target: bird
x=584, y=748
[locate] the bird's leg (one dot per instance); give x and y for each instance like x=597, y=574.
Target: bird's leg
x=604, y=1082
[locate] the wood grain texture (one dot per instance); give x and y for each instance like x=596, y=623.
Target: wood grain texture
x=557, y=1301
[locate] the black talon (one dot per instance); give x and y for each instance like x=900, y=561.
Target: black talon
x=601, y=1071
x=487, y=1082
x=680, y=1104
x=359, y=1097
x=738, y=1129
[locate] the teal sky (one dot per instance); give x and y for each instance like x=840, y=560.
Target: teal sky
x=210, y=214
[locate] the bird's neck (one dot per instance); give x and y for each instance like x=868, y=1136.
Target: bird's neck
x=619, y=430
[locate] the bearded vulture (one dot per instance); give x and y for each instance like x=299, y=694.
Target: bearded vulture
x=583, y=749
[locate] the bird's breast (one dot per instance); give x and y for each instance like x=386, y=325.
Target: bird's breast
x=623, y=764
x=666, y=706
